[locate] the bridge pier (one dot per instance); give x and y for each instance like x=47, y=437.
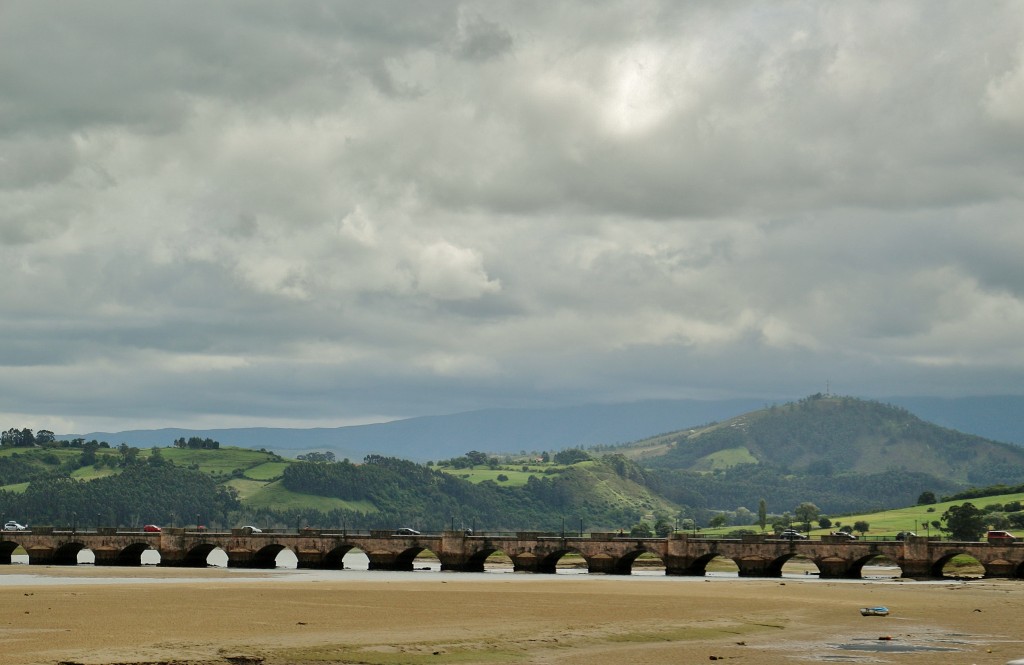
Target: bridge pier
x=607, y=564
x=1000, y=568
x=43, y=556
x=836, y=568
x=311, y=559
x=751, y=566
x=387, y=561
x=248, y=559
x=526, y=562
x=111, y=556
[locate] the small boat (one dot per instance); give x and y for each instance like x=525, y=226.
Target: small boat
x=874, y=611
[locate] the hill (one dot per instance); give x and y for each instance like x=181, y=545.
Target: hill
x=438, y=437
x=512, y=430
x=61, y=482
x=824, y=435
x=843, y=453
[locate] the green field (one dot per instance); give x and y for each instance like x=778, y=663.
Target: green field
x=222, y=461
x=725, y=459
x=890, y=522
x=267, y=471
x=515, y=478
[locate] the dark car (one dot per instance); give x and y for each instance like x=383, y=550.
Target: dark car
x=406, y=531
x=903, y=535
x=790, y=534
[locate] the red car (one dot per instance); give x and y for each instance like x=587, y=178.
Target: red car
x=151, y=528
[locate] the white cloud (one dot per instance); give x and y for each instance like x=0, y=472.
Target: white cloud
x=307, y=212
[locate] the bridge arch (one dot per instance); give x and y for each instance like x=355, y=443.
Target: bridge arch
x=195, y=557
x=402, y=560
x=67, y=554
x=938, y=567
x=130, y=555
x=548, y=563
x=477, y=561
x=7, y=548
x=624, y=564
x=334, y=559
x=263, y=558
x=775, y=566
x=854, y=569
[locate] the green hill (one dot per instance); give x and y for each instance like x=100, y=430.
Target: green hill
x=834, y=435
x=842, y=453
x=845, y=455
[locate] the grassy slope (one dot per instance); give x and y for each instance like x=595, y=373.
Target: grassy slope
x=891, y=522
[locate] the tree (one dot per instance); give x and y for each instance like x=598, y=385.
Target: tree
x=476, y=457
x=964, y=522
x=807, y=512
x=926, y=499
x=718, y=520
x=571, y=456
x=861, y=527
x=156, y=458
x=762, y=514
x=641, y=530
x=88, y=457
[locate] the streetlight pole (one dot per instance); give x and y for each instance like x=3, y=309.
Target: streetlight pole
x=74, y=522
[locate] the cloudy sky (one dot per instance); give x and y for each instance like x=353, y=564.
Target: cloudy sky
x=327, y=213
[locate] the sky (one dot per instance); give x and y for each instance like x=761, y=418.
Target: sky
x=312, y=214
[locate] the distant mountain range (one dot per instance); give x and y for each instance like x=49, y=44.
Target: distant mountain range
x=1000, y=418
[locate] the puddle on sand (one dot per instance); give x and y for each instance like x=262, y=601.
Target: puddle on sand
x=888, y=646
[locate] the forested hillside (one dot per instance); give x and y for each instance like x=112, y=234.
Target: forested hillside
x=842, y=454
x=409, y=493
x=129, y=487
x=825, y=436
x=142, y=493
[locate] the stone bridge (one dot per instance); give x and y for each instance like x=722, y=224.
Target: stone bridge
x=534, y=552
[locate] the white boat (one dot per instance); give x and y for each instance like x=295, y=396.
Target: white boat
x=874, y=611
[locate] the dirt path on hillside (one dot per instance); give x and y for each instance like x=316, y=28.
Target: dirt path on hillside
x=205, y=617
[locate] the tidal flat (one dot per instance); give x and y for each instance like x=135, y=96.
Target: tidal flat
x=101, y=616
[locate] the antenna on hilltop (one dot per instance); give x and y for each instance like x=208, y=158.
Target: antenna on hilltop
x=828, y=392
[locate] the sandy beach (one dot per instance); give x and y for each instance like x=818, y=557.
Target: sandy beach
x=97, y=616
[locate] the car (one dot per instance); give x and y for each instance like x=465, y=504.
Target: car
x=14, y=526
x=251, y=529
x=903, y=535
x=844, y=534
x=406, y=531
x=790, y=534
x=1000, y=537
x=151, y=528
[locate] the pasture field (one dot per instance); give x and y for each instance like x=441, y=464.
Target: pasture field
x=890, y=522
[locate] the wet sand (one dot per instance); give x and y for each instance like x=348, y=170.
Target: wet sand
x=218, y=616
